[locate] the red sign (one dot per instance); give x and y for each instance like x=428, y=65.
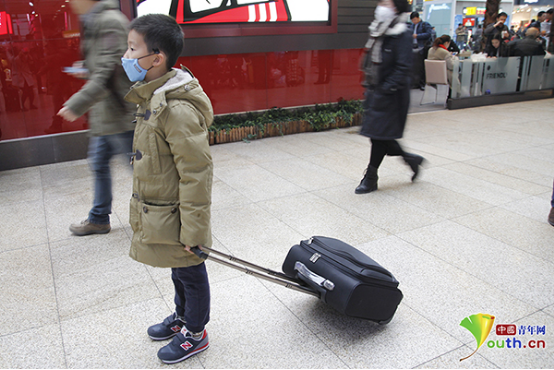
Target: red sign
x=238, y=11
x=505, y=329
x=469, y=22
x=5, y=23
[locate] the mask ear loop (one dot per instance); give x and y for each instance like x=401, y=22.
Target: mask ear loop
x=156, y=51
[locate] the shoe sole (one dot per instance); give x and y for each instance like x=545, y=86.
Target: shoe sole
x=187, y=356
x=164, y=338
x=90, y=233
x=365, y=191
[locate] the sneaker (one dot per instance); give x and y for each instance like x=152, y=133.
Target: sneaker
x=168, y=328
x=86, y=228
x=551, y=217
x=183, y=346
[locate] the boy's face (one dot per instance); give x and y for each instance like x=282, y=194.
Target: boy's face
x=137, y=48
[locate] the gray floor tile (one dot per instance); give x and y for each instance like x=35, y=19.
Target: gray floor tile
x=436, y=199
x=496, y=178
x=440, y=292
x=95, y=273
x=38, y=348
x=22, y=185
x=243, y=311
x=27, y=290
x=469, y=236
x=254, y=234
x=401, y=343
x=451, y=360
x=380, y=209
x=22, y=225
x=470, y=186
x=117, y=339
x=262, y=183
x=468, y=250
x=310, y=215
x=527, y=234
x=307, y=175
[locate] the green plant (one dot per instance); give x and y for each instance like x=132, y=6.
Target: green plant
x=320, y=117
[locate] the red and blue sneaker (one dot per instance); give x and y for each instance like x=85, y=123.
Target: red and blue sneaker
x=183, y=346
x=167, y=329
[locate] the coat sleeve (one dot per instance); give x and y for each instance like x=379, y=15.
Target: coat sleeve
x=400, y=76
x=110, y=39
x=426, y=34
x=186, y=133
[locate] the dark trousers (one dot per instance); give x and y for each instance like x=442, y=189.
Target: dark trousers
x=418, y=68
x=552, y=200
x=192, y=295
x=381, y=148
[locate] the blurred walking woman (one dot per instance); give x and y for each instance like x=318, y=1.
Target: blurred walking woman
x=388, y=67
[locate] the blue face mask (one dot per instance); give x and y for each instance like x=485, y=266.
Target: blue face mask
x=133, y=70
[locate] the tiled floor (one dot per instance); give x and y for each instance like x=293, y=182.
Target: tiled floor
x=469, y=236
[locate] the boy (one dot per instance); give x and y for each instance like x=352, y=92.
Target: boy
x=172, y=178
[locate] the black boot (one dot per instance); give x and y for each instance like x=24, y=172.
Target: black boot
x=414, y=161
x=369, y=182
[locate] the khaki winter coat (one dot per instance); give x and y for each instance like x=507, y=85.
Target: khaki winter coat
x=103, y=43
x=172, y=170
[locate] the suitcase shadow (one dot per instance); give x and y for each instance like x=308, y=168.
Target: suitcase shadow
x=323, y=317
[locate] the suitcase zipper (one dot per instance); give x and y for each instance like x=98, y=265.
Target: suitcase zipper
x=348, y=258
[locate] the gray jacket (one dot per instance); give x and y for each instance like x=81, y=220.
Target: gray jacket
x=103, y=43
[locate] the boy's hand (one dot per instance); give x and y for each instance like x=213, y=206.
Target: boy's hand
x=187, y=248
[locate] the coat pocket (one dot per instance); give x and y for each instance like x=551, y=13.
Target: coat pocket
x=381, y=102
x=160, y=224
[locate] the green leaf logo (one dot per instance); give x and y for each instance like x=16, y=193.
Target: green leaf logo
x=480, y=326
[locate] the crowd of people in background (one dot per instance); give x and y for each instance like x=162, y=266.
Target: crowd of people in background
x=496, y=40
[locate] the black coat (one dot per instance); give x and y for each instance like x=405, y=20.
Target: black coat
x=386, y=106
x=525, y=47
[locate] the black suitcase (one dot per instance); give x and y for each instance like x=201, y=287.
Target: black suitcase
x=346, y=279
x=333, y=271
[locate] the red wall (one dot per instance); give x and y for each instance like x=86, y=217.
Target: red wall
x=247, y=82
x=43, y=39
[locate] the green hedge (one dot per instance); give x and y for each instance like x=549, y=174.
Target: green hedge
x=320, y=117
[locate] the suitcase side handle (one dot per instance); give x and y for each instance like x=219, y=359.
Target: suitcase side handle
x=313, y=277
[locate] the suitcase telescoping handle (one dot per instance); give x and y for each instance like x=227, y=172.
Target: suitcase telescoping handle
x=262, y=272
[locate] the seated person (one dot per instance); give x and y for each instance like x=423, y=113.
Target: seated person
x=453, y=48
x=528, y=46
x=439, y=51
x=497, y=48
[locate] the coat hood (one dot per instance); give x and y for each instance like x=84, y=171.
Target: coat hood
x=179, y=84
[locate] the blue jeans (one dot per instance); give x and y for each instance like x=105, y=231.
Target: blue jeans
x=101, y=150
x=192, y=295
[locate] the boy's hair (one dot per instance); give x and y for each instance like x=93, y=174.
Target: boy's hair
x=502, y=15
x=161, y=33
x=414, y=15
